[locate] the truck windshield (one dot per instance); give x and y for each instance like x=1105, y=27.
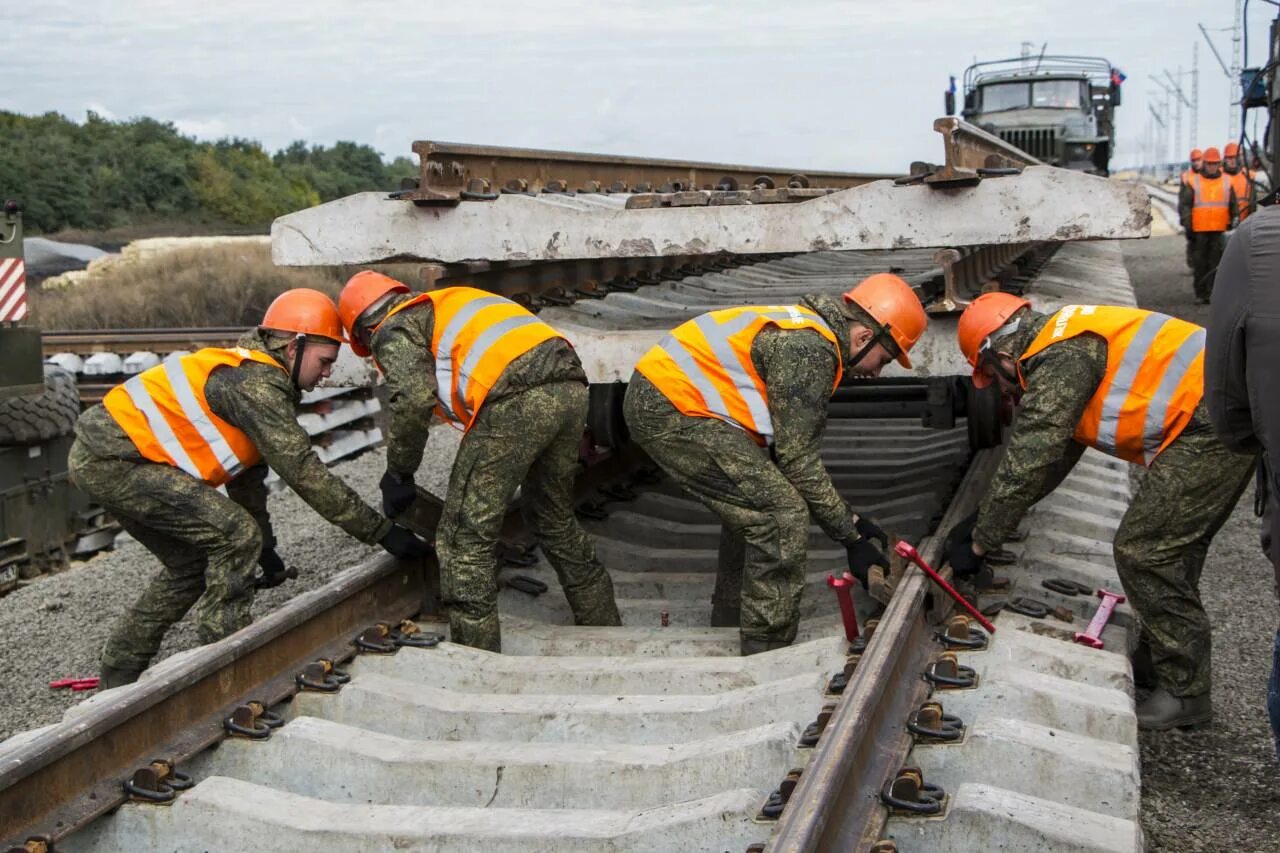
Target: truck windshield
x=1047, y=94
x=1005, y=96
x=1059, y=94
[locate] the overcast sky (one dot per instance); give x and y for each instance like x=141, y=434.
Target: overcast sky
x=821, y=84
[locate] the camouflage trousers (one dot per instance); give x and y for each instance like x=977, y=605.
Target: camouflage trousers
x=207, y=543
x=1204, y=253
x=528, y=440
x=764, y=541
x=1182, y=501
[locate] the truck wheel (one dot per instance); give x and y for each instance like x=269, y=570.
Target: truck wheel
x=33, y=418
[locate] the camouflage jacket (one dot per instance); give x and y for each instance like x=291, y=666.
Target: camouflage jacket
x=261, y=401
x=1061, y=379
x=799, y=369
x=402, y=348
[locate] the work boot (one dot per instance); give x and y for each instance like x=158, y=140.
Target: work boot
x=110, y=677
x=1162, y=711
x=752, y=646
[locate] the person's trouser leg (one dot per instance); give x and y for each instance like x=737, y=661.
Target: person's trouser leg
x=492, y=461
x=208, y=545
x=1186, y=496
x=718, y=464
x=1215, y=244
x=548, y=505
x=726, y=599
x=1269, y=495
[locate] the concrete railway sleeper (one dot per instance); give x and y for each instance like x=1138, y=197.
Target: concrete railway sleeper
x=655, y=735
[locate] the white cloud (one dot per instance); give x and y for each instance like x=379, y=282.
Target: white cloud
x=212, y=128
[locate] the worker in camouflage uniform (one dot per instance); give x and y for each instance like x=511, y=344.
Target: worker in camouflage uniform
x=1130, y=383
x=516, y=386
x=157, y=448
x=1207, y=208
x=733, y=405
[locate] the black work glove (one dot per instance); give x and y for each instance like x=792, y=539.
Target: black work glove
x=862, y=556
x=274, y=571
x=868, y=529
x=398, y=492
x=403, y=545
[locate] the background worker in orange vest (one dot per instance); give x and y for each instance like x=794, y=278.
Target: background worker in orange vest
x=515, y=385
x=1197, y=163
x=157, y=448
x=733, y=404
x=1130, y=383
x=1241, y=180
x=1207, y=208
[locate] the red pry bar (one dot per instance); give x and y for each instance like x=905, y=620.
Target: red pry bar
x=1092, y=636
x=77, y=685
x=908, y=551
x=844, y=594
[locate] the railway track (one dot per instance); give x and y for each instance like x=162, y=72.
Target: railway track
x=653, y=736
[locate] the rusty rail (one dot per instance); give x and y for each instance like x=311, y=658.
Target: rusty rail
x=64, y=778
x=119, y=340
x=453, y=172
x=836, y=805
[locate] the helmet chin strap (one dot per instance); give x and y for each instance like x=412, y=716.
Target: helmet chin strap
x=301, y=341
x=882, y=335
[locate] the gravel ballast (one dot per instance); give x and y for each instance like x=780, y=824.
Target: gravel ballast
x=1215, y=788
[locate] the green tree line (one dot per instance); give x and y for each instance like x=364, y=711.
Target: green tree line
x=107, y=174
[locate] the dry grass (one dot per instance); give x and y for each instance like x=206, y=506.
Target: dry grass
x=228, y=285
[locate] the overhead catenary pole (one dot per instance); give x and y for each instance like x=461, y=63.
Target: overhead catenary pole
x=1193, y=133
x=1233, y=85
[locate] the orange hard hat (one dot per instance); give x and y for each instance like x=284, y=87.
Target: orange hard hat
x=305, y=312
x=1196, y=154
x=362, y=290
x=1212, y=155
x=893, y=304
x=1231, y=149
x=983, y=318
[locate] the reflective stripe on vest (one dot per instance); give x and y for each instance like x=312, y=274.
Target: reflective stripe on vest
x=164, y=412
x=1210, y=212
x=704, y=366
x=1153, y=383
x=477, y=335
x=1241, y=185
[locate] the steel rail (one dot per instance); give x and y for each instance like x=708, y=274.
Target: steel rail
x=452, y=172
x=113, y=340
x=836, y=804
x=65, y=777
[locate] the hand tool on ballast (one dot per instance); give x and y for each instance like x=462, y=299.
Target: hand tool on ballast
x=77, y=685
x=908, y=552
x=1092, y=636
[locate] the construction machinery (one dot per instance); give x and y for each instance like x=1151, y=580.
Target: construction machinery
x=1058, y=109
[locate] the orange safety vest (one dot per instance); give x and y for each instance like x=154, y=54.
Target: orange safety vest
x=1187, y=175
x=1210, y=212
x=1241, y=184
x=704, y=366
x=165, y=414
x=1154, y=379
x=477, y=334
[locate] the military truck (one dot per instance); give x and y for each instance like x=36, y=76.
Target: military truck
x=1059, y=109
x=42, y=517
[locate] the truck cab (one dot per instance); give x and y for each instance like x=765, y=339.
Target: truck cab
x=1058, y=109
